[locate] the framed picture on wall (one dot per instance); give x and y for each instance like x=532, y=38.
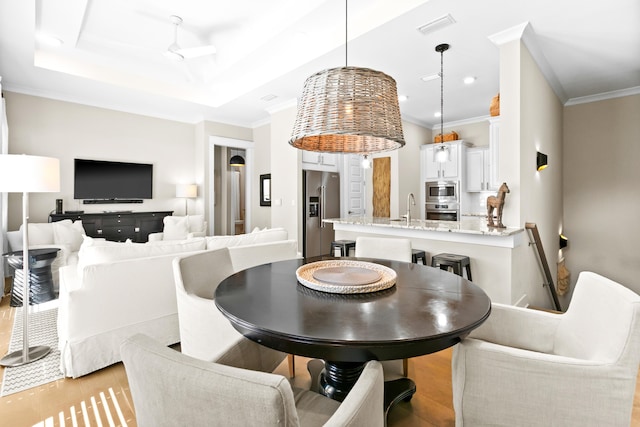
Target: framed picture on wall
x=265, y=189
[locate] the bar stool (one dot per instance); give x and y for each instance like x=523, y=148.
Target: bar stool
x=343, y=245
x=456, y=262
x=417, y=254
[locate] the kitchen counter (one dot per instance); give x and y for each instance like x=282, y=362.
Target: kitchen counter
x=495, y=253
x=476, y=225
x=469, y=230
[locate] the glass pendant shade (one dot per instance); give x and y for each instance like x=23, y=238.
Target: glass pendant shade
x=348, y=110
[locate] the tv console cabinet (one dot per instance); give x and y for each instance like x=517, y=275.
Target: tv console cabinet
x=118, y=226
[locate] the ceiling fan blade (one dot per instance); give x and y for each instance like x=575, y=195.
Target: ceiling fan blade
x=194, y=52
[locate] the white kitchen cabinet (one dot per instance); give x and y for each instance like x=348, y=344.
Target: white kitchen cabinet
x=494, y=153
x=450, y=169
x=319, y=161
x=478, y=166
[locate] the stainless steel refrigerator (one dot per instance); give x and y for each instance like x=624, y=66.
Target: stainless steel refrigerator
x=321, y=200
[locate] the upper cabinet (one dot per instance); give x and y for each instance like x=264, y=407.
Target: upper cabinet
x=477, y=176
x=482, y=170
x=450, y=169
x=319, y=161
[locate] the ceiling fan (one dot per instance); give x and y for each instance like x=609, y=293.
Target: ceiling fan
x=176, y=53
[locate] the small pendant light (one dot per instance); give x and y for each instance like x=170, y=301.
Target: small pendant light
x=236, y=160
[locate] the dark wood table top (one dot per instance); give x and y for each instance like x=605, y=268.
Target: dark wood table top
x=426, y=311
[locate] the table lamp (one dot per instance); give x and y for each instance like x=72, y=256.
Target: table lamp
x=186, y=191
x=24, y=174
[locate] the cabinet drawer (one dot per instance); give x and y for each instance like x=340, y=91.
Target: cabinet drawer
x=119, y=233
x=118, y=221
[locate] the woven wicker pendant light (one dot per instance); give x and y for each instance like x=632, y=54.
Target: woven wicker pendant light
x=348, y=110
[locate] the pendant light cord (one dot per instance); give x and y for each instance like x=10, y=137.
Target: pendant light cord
x=346, y=31
x=442, y=95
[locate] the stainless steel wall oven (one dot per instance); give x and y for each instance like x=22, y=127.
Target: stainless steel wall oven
x=442, y=201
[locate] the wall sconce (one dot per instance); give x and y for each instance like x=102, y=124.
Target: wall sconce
x=563, y=241
x=541, y=161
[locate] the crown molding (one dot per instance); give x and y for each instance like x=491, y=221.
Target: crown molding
x=603, y=96
x=527, y=35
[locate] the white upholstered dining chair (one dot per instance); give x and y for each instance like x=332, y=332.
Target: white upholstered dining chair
x=383, y=248
x=393, y=249
x=170, y=388
x=535, y=368
x=204, y=331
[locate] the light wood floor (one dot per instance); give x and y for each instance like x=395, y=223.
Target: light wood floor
x=105, y=396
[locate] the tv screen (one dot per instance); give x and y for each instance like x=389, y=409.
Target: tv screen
x=98, y=179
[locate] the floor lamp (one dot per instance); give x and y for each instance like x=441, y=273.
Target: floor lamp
x=27, y=174
x=186, y=191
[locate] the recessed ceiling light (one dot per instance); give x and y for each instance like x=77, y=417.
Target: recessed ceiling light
x=402, y=98
x=430, y=77
x=468, y=80
x=437, y=24
x=437, y=114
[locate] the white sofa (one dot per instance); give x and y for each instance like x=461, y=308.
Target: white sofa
x=64, y=235
x=118, y=289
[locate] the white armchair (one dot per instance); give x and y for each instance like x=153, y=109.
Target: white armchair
x=180, y=228
x=169, y=388
x=204, y=332
x=534, y=368
x=64, y=235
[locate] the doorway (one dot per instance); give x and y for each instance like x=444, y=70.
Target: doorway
x=230, y=190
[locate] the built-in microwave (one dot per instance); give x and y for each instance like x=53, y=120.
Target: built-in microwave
x=442, y=200
x=442, y=191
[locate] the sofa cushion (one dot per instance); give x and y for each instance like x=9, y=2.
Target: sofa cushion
x=68, y=233
x=196, y=223
x=270, y=235
x=40, y=234
x=175, y=227
x=114, y=251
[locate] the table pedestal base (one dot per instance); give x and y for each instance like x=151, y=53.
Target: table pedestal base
x=335, y=380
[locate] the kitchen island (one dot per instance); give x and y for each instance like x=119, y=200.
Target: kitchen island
x=494, y=252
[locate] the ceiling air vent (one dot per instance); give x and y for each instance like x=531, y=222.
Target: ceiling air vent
x=268, y=98
x=437, y=24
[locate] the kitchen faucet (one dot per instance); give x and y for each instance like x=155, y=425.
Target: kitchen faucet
x=410, y=201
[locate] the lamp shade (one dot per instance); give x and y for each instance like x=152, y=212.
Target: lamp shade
x=187, y=190
x=20, y=173
x=348, y=110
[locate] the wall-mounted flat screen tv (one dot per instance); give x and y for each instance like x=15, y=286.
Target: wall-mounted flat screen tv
x=105, y=180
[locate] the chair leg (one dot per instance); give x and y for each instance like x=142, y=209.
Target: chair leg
x=292, y=365
x=405, y=367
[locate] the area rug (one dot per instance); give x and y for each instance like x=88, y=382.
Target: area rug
x=42, y=331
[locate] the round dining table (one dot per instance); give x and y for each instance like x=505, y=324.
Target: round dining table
x=425, y=311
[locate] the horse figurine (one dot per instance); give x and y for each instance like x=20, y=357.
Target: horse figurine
x=496, y=203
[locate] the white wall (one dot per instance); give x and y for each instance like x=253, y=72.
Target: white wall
x=66, y=131
x=601, y=195
x=286, y=176
x=262, y=140
x=530, y=120
x=408, y=175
